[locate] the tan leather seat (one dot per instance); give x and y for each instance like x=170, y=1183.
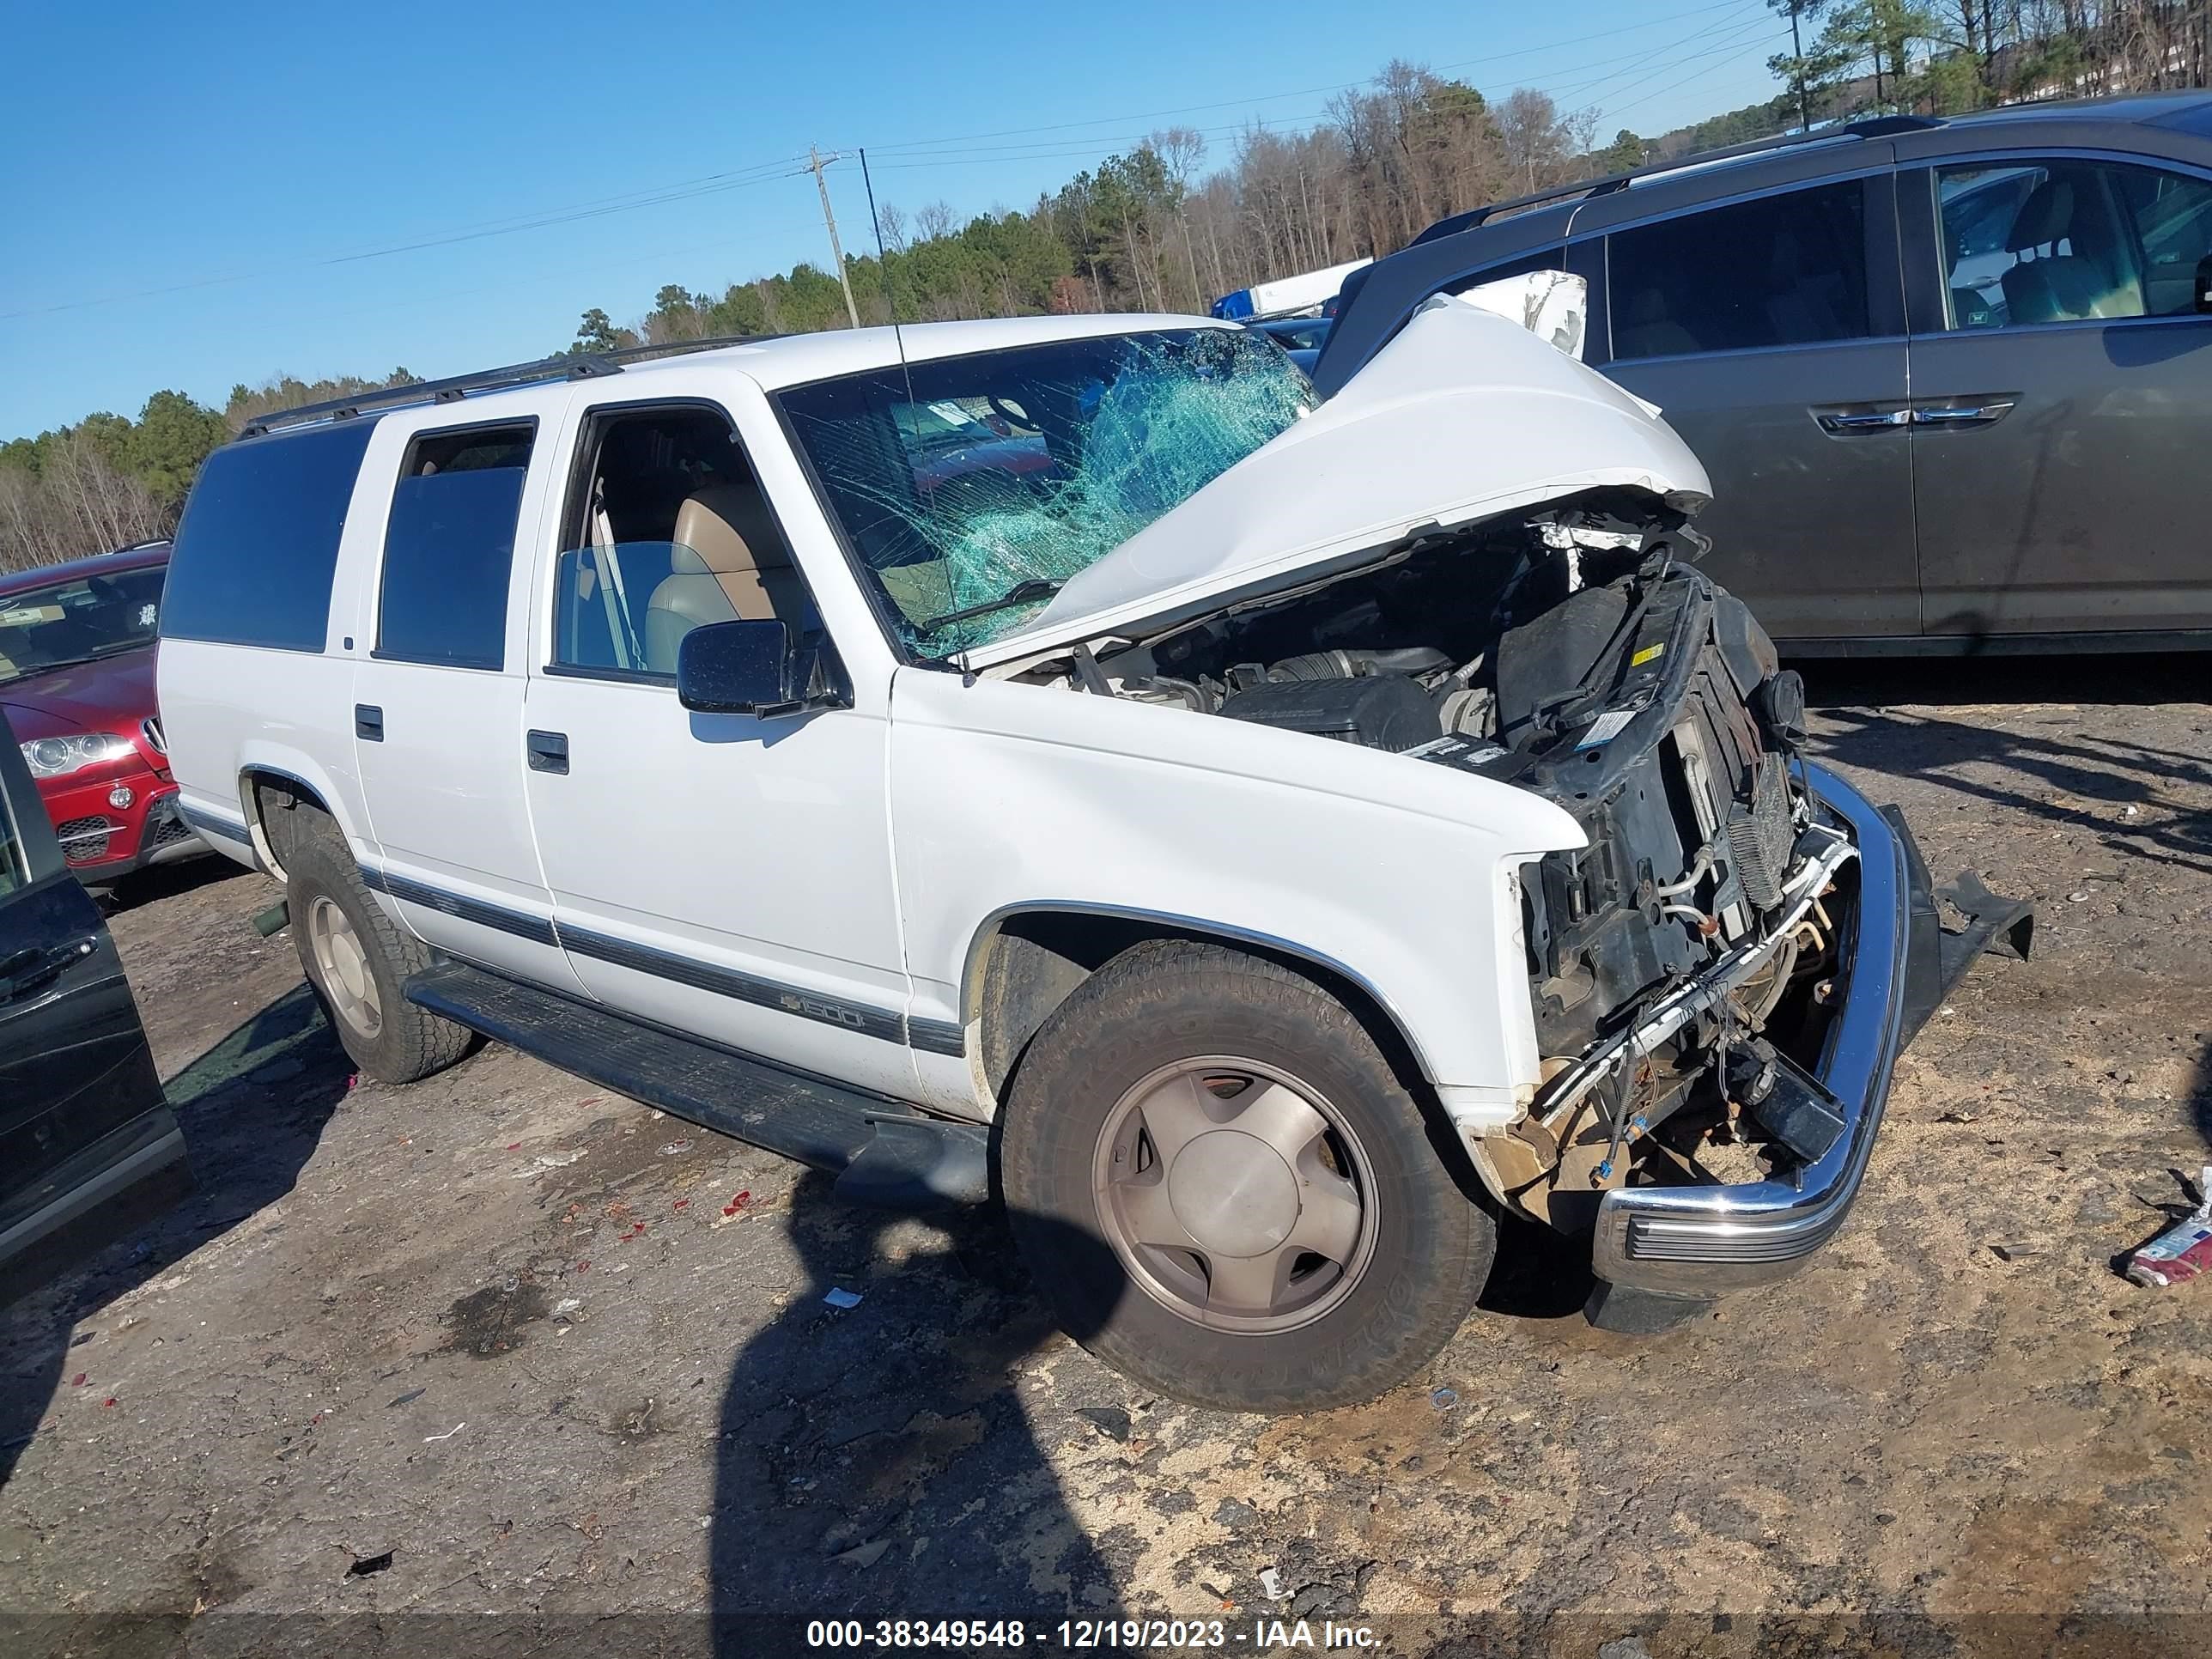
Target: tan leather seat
x=729, y=565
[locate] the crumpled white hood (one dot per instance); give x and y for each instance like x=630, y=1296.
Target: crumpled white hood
x=1463, y=416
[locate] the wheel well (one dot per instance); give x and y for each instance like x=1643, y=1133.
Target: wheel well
x=279, y=810
x=1029, y=963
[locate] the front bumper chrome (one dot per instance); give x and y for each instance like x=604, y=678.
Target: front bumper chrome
x=1696, y=1242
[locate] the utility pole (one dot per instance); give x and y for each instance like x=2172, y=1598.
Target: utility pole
x=1798, y=50
x=816, y=160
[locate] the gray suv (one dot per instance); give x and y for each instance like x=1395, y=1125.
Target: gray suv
x=1952, y=379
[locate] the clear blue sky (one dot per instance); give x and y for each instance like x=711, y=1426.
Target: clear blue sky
x=234, y=157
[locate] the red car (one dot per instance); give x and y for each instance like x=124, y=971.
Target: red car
x=77, y=682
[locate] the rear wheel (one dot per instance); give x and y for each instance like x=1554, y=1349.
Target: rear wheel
x=1227, y=1191
x=359, y=960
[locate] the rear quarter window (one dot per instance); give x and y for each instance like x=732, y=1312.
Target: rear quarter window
x=253, y=558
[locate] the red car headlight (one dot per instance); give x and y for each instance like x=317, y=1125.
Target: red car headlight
x=57, y=757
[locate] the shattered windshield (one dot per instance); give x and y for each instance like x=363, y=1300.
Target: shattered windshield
x=972, y=488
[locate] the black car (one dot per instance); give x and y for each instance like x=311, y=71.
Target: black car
x=1952, y=379
x=89, y=1146
x=1302, y=337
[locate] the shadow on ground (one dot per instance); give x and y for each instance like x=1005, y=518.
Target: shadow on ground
x=161, y=881
x=855, y=1453
x=1888, y=718
x=252, y=1109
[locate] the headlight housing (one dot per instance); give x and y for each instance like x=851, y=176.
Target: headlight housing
x=57, y=757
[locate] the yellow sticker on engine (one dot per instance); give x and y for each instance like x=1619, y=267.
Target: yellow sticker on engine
x=1647, y=654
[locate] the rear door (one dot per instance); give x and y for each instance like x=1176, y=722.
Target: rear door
x=2062, y=380
x=438, y=717
x=89, y=1149
x=1770, y=331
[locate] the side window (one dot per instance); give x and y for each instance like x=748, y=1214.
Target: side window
x=449, y=547
x=2063, y=241
x=1787, y=270
x=254, y=555
x=667, y=530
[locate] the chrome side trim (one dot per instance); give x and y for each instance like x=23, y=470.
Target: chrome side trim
x=1697, y=1241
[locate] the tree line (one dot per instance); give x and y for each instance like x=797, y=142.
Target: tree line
x=1169, y=226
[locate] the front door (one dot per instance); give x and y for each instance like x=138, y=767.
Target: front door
x=726, y=876
x=1770, y=336
x=438, y=697
x=88, y=1147
x=2061, y=384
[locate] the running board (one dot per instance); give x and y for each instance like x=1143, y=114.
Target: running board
x=883, y=1153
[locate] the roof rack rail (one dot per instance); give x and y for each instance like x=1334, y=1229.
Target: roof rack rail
x=578, y=366
x=1880, y=126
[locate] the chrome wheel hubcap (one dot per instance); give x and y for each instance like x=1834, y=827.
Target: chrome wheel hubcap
x=343, y=966
x=1235, y=1194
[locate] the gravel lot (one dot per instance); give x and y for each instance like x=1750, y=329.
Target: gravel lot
x=561, y=1356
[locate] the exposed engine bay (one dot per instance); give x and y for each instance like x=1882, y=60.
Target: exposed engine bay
x=1678, y=963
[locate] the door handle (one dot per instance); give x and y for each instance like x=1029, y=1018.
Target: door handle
x=26, y=971
x=369, y=722
x=1843, y=423
x=548, y=750
x=1966, y=415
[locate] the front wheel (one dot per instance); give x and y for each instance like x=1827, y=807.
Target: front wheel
x=1227, y=1192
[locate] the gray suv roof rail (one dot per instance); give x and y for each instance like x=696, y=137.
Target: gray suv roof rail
x=1875, y=127
x=579, y=366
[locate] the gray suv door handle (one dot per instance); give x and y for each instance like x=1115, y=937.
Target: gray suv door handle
x=1967, y=415
x=1843, y=424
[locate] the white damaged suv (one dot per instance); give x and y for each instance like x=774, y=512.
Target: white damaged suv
x=1054, y=758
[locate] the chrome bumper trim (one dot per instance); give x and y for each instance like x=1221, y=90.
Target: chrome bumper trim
x=1697, y=1240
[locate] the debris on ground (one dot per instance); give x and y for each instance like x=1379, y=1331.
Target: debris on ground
x=1445, y=1399
x=2013, y=1252
x=1270, y=1584
x=366, y=1564
x=567, y=1306
x=1109, y=1422
x=841, y=1298
x=411, y=1393
x=2183, y=1250
x=867, y=1554
x=675, y=1148
x=432, y=1439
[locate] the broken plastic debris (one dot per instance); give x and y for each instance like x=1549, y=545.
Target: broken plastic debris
x=1270, y=1584
x=1445, y=1399
x=77, y=1382
x=368, y=1563
x=2077, y=898
x=737, y=1201
x=567, y=1306
x=432, y=1439
x=836, y=1298
x=867, y=1554
x=675, y=1147
x=2183, y=1250
x=411, y=1393
x=1112, y=1423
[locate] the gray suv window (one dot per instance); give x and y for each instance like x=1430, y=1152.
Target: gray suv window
x=1780, y=271
x=2061, y=241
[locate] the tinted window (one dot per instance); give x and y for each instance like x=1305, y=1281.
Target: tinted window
x=253, y=559
x=448, y=547
x=1786, y=270
x=82, y=621
x=2070, y=241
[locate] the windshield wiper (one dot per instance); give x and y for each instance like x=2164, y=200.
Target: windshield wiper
x=1028, y=592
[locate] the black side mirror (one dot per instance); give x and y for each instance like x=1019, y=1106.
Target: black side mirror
x=2204, y=283
x=750, y=668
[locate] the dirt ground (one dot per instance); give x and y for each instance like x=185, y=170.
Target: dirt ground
x=560, y=1356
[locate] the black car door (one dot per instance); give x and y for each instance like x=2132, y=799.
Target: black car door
x=89, y=1149
x=1770, y=331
